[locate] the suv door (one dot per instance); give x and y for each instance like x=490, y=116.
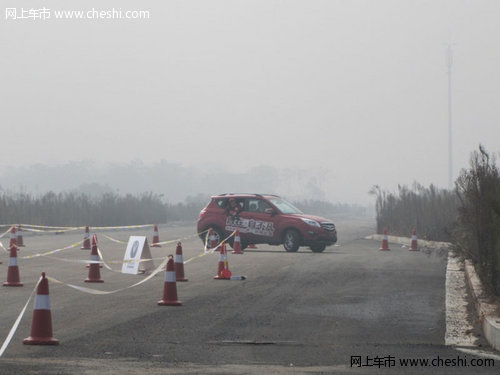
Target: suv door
x=260, y=226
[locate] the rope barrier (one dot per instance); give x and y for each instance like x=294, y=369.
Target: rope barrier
x=103, y=292
x=16, y=323
x=52, y=251
x=96, y=291
x=3, y=247
x=4, y=233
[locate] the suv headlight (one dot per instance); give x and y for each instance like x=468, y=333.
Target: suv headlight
x=311, y=222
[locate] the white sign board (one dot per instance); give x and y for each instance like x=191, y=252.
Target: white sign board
x=137, y=256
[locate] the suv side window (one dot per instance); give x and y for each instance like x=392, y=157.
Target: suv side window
x=224, y=203
x=221, y=203
x=257, y=205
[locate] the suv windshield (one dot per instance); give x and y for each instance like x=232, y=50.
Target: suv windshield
x=284, y=206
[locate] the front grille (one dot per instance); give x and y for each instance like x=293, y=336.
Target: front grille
x=328, y=226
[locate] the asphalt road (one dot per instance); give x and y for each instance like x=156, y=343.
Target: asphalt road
x=296, y=312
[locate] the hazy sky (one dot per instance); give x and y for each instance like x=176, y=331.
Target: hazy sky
x=354, y=91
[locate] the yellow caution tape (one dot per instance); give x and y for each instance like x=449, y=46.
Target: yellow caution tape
x=52, y=251
x=179, y=239
x=48, y=226
x=196, y=256
x=103, y=292
x=123, y=227
x=160, y=243
x=18, y=320
x=121, y=261
x=4, y=233
x=83, y=227
x=84, y=261
x=88, y=261
x=211, y=251
x=49, y=230
x=3, y=248
x=114, y=240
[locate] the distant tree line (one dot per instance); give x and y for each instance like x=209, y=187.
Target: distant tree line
x=468, y=216
x=72, y=209
x=110, y=209
x=478, y=230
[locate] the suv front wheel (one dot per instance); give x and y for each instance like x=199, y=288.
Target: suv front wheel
x=291, y=240
x=318, y=248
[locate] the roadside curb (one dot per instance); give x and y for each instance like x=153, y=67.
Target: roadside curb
x=490, y=320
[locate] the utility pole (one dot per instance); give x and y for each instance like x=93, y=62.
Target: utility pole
x=449, y=62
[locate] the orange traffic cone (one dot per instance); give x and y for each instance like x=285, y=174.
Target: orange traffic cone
x=13, y=236
x=13, y=270
x=92, y=256
x=237, y=243
x=252, y=246
x=86, y=239
x=414, y=244
x=179, y=264
x=156, y=237
x=170, y=286
x=94, y=273
x=223, y=272
x=19, y=239
x=212, y=239
x=385, y=241
x=41, y=325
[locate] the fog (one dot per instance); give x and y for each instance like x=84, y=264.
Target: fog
x=325, y=98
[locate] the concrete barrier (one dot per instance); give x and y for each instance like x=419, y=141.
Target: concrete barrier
x=487, y=311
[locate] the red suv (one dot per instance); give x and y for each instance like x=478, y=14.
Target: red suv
x=267, y=219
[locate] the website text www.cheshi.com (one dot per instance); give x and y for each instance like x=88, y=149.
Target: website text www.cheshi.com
x=89, y=14
x=392, y=361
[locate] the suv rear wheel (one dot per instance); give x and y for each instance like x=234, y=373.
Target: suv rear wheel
x=219, y=236
x=291, y=240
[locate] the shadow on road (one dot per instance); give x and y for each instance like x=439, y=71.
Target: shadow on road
x=298, y=252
